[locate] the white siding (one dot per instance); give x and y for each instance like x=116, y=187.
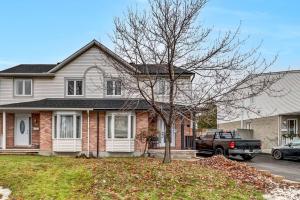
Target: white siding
x=67, y=145
x=120, y=145
x=285, y=99
x=55, y=87
x=93, y=66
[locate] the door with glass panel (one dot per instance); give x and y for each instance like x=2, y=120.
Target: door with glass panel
x=22, y=130
x=292, y=127
x=162, y=133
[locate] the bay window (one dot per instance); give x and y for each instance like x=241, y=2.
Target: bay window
x=67, y=125
x=120, y=126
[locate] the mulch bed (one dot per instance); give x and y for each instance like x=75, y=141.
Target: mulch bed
x=244, y=173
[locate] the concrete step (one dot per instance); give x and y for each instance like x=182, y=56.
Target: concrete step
x=19, y=151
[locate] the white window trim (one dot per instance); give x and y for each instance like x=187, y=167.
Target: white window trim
x=114, y=83
x=75, y=80
x=158, y=87
x=161, y=127
x=292, y=119
x=113, y=114
x=58, y=114
x=23, y=85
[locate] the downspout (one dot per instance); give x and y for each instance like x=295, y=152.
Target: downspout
x=98, y=134
x=88, y=133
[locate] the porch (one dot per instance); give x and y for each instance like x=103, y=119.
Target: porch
x=93, y=131
x=289, y=129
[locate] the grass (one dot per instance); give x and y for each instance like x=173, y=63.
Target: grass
x=36, y=177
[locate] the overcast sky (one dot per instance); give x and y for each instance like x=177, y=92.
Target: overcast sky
x=35, y=31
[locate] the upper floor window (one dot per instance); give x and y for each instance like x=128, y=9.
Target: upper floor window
x=113, y=87
x=23, y=87
x=74, y=87
x=161, y=87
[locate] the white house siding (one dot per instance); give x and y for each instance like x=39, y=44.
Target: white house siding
x=283, y=99
x=94, y=67
x=55, y=87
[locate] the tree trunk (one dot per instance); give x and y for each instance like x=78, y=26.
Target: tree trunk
x=167, y=156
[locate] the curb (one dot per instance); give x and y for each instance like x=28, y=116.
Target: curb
x=279, y=176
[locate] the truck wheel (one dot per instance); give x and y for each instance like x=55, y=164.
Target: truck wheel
x=219, y=151
x=277, y=155
x=247, y=157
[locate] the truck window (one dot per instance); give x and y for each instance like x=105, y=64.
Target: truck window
x=226, y=135
x=209, y=135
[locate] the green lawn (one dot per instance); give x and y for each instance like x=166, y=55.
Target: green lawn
x=36, y=177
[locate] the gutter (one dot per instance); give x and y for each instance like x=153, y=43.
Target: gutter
x=29, y=108
x=27, y=75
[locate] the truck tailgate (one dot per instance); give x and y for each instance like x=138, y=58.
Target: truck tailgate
x=248, y=144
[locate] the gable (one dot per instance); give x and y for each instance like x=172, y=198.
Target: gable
x=93, y=44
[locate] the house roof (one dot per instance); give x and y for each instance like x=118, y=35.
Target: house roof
x=80, y=104
x=160, y=69
x=29, y=68
x=93, y=43
x=50, y=69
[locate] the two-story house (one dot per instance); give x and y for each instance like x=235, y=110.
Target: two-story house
x=274, y=115
x=77, y=106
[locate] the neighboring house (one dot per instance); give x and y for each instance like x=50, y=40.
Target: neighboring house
x=78, y=105
x=276, y=115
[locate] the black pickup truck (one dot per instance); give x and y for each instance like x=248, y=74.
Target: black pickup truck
x=227, y=144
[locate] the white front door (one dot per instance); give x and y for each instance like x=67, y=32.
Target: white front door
x=22, y=130
x=162, y=130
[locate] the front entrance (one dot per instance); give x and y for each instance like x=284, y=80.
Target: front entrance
x=22, y=130
x=162, y=130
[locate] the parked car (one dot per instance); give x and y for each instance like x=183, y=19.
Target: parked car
x=227, y=144
x=290, y=150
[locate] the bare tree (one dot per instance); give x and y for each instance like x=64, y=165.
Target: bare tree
x=167, y=36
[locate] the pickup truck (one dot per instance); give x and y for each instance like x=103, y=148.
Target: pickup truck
x=227, y=144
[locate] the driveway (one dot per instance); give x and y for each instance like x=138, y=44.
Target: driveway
x=286, y=168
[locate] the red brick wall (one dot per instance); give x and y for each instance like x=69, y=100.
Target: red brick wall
x=1, y=123
x=10, y=125
x=142, y=126
x=102, y=131
x=46, y=131
x=93, y=131
x=35, y=135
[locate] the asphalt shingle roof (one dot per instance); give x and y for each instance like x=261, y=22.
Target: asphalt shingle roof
x=44, y=68
x=97, y=104
x=159, y=69
x=29, y=68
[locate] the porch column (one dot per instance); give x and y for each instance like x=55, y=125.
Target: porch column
x=4, y=130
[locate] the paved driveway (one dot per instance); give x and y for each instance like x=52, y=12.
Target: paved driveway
x=287, y=168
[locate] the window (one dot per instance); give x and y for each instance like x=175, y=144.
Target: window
x=292, y=126
x=120, y=126
x=252, y=100
x=23, y=87
x=161, y=87
x=74, y=87
x=248, y=125
x=113, y=87
x=67, y=125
